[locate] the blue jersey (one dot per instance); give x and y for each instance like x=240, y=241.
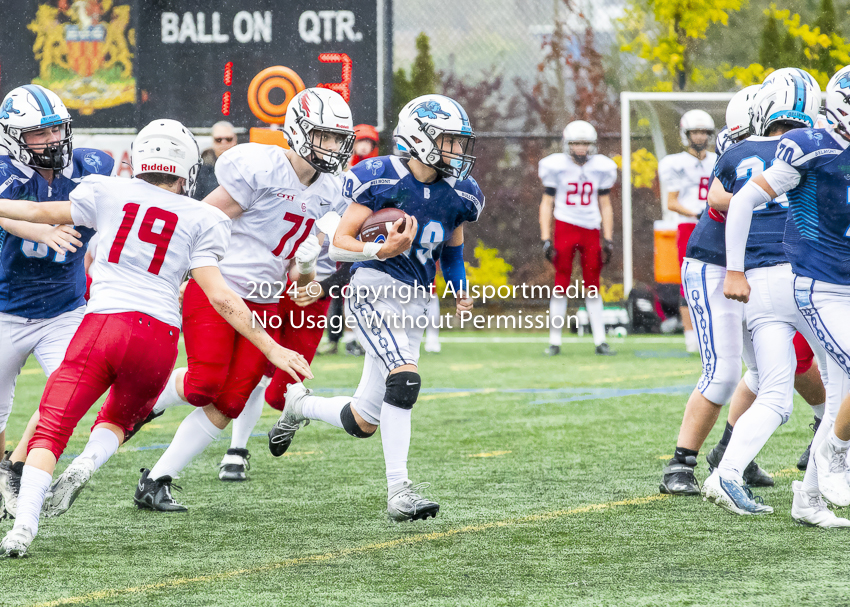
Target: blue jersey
x=817, y=231
x=439, y=208
x=734, y=169
x=36, y=282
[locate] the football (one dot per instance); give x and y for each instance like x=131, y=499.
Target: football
x=377, y=226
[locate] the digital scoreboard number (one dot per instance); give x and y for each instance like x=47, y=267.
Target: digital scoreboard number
x=121, y=64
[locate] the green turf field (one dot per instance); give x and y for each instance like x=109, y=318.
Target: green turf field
x=546, y=470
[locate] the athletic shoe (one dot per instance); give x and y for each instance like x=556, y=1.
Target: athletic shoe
x=409, y=505
x=68, y=486
x=678, y=478
x=10, y=485
x=803, y=462
x=832, y=471
x=552, y=351
x=290, y=421
x=330, y=347
x=603, y=350
x=156, y=494
x=151, y=416
x=753, y=474
x=354, y=348
x=16, y=542
x=808, y=508
x=433, y=348
x=234, y=465
x=734, y=497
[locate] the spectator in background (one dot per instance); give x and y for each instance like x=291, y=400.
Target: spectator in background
x=224, y=138
x=365, y=144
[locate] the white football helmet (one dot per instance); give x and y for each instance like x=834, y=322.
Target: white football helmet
x=316, y=121
x=788, y=95
x=837, y=100
x=32, y=108
x=738, y=113
x=166, y=146
x=579, y=131
x=423, y=120
x=695, y=120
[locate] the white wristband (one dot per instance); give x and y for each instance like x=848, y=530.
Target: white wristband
x=370, y=252
x=307, y=267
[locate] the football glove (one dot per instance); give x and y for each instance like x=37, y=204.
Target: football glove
x=607, y=251
x=548, y=250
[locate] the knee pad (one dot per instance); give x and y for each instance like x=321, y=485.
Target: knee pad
x=349, y=424
x=751, y=378
x=403, y=389
x=720, y=384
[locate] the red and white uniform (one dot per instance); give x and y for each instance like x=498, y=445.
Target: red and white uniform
x=577, y=215
x=149, y=239
x=279, y=213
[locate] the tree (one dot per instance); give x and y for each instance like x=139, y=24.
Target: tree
x=769, y=51
x=423, y=80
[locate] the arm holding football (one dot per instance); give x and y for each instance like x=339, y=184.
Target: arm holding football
x=231, y=307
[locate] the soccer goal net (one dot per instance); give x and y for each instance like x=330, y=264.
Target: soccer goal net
x=650, y=131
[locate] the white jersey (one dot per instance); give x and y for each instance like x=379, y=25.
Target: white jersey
x=149, y=240
x=279, y=214
x=690, y=176
x=577, y=187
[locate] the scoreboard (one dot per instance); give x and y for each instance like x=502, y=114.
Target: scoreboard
x=119, y=64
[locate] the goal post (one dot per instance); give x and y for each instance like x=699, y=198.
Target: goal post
x=713, y=103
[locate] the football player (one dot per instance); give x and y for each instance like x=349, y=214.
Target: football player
x=151, y=235
x=686, y=176
x=809, y=294
x=577, y=185
x=393, y=278
x=274, y=197
x=42, y=278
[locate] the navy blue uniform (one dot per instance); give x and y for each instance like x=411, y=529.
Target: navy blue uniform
x=36, y=282
x=817, y=230
x=439, y=208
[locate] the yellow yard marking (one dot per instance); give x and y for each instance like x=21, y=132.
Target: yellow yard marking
x=112, y=593
x=493, y=454
x=786, y=472
x=32, y=372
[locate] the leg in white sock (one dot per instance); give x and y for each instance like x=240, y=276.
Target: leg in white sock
x=557, y=310
x=597, y=323
x=325, y=409
x=395, y=438
x=193, y=436
x=432, y=331
x=171, y=394
x=752, y=431
x=243, y=425
x=101, y=446
x=34, y=486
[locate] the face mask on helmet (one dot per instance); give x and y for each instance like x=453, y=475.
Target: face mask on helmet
x=581, y=151
x=454, y=151
x=326, y=150
x=47, y=148
x=700, y=142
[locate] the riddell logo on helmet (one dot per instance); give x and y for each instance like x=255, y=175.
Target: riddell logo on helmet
x=159, y=168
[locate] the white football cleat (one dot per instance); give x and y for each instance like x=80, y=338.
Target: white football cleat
x=290, y=421
x=16, y=542
x=433, y=348
x=408, y=505
x=832, y=473
x=734, y=497
x=808, y=508
x=67, y=487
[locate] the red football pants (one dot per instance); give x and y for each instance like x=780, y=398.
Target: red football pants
x=568, y=239
x=132, y=352
x=224, y=367
x=683, y=235
x=299, y=333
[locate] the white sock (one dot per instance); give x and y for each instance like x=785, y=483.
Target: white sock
x=818, y=410
x=840, y=445
x=193, y=436
x=691, y=339
x=395, y=437
x=34, y=486
x=101, y=446
x=244, y=424
x=557, y=310
x=325, y=409
x=432, y=331
x=169, y=397
x=752, y=430
x=810, y=480
x=597, y=323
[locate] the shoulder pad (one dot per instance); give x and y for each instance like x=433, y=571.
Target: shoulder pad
x=801, y=148
x=93, y=161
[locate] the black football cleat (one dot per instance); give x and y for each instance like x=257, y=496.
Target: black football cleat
x=552, y=351
x=803, y=462
x=234, y=465
x=678, y=478
x=156, y=494
x=151, y=416
x=753, y=474
x=604, y=350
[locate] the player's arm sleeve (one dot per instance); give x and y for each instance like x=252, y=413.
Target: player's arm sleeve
x=738, y=222
x=241, y=173
x=211, y=245
x=454, y=270
x=781, y=177
x=84, y=200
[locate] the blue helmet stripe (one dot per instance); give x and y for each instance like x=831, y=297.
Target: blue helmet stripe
x=43, y=102
x=799, y=93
